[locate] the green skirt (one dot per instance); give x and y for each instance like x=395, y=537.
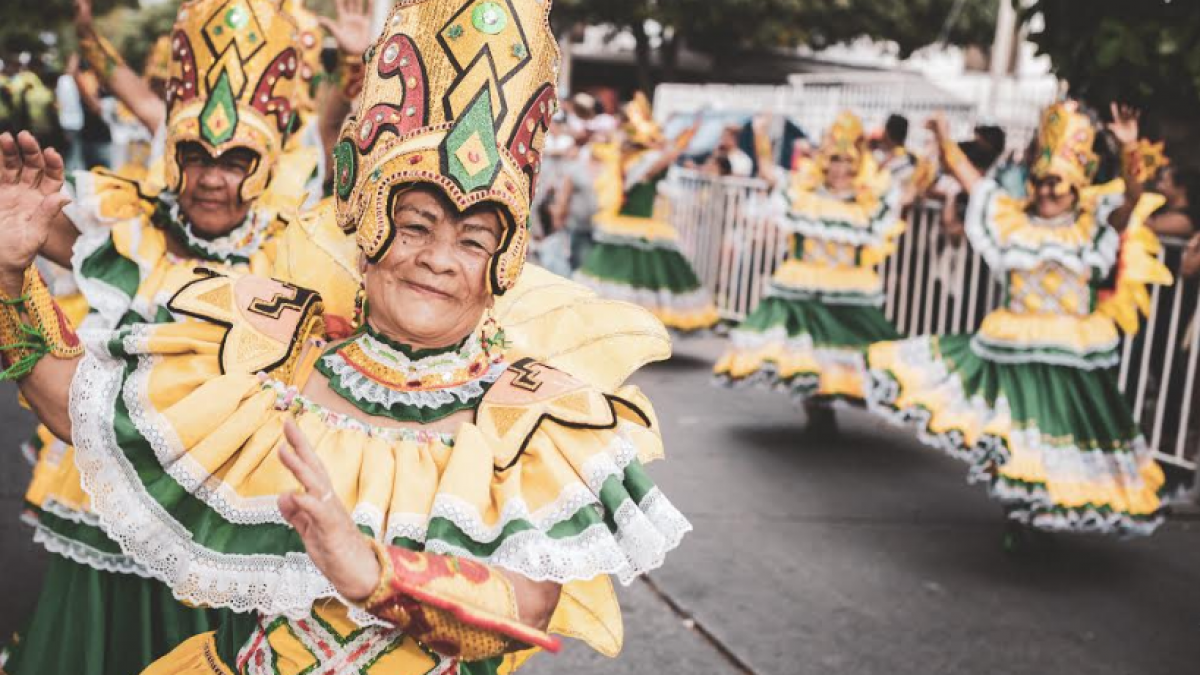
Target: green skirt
x=89, y=622
x=1056, y=444
x=655, y=276
x=811, y=349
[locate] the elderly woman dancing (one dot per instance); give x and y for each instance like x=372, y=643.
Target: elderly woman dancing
x=483, y=447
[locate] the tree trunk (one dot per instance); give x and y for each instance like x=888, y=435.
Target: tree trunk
x=645, y=74
x=670, y=58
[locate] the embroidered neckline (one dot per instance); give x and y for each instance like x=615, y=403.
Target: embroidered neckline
x=385, y=378
x=236, y=247
x=289, y=398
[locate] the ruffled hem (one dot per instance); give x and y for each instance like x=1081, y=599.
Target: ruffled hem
x=1046, y=482
x=773, y=361
x=688, y=311
x=944, y=418
x=609, y=519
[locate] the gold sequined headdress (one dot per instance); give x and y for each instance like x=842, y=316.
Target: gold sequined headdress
x=234, y=66
x=843, y=138
x=310, y=39
x=458, y=94
x=1065, y=140
x=640, y=127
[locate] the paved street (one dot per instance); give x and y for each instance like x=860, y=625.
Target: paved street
x=868, y=556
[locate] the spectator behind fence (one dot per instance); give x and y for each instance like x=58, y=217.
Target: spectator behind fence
x=95, y=137
x=1177, y=217
x=70, y=114
x=1191, y=258
x=894, y=156
x=729, y=154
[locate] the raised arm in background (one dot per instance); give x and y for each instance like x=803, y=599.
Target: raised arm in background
x=117, y=77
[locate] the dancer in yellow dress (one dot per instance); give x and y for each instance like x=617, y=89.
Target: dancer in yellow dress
x=477, y=418
x=810, y=333
x=229, y=201
x=1031, y=400
x=636, y=258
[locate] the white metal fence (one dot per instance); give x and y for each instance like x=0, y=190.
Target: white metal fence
x=935, y=286
x=813, y=100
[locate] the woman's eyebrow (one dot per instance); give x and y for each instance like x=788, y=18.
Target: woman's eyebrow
x=427, y=215
x=479, y=227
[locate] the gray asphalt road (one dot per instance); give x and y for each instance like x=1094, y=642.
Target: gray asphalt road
x=865, y=556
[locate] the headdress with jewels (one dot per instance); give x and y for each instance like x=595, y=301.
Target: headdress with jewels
x=458, y=94
x=310, y=45
x=1065, y=140
x=234, y=66
x=640, y=127
x=843, y=138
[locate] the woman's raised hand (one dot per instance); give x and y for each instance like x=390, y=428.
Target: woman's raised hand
x=352, y=27
x=1124, y=124
x=333, y=542
x=30, y=199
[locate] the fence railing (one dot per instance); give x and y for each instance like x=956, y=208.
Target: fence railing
x=937, y=285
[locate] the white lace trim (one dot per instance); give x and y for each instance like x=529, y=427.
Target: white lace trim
x=883, y=392
x=1062, y=462
x=363, y=388
x=640, y=544
x=242, y=241
x=60, y=510
x=697, y=300
x=1099, y=253
x=107, y=302
x=873, y=233
x=642, y=243
x=86, y=555
x=289, y=584
x=1000, y=352
x=830, y=297
x=802, y=344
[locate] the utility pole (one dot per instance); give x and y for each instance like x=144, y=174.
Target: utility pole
x=1002, y=48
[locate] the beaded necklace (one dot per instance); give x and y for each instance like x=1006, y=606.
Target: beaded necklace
x=389, y=379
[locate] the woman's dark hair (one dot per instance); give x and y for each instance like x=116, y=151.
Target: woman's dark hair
x=1188, y=179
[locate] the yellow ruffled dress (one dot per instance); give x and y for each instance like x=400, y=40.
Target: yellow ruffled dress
x=125, y=274
x=177, y=427
x=636, y=257
x=1031, y=401
x=809, y=334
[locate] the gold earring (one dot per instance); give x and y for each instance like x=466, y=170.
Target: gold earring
x=360, y=305
x=491, y=336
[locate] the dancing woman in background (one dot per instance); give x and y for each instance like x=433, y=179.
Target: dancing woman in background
x=484, y=457
x=636, y=258
x=230, y=203
x=810, y=333
x=1031, y=400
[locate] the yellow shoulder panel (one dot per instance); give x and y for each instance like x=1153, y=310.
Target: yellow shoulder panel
x=268, y=320
x=530, y=393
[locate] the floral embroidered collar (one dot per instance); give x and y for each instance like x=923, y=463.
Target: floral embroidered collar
x=234, y=248
x=388, y=379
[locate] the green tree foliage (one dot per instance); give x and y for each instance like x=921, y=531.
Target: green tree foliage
x=1146, y=52
x=722, y=27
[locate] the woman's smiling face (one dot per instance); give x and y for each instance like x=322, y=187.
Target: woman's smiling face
x=430, y=289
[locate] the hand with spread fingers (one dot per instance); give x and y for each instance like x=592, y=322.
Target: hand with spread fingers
x=352, y=27
x=335, y=545
x=1124, y=124
x=31, y=199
